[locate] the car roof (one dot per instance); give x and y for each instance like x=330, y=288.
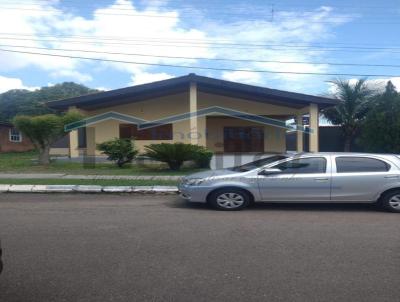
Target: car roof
x=347, y=154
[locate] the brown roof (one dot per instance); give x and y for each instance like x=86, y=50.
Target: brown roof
x=180, y=84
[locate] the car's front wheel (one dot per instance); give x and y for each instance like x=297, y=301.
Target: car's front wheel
x=391, y=201
x=229, y=199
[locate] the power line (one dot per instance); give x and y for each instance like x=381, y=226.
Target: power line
x=339, y=19
x=197, y=41
x=200, y=67
x=208, y=41
x=204, y=45
x=237, y=6
x=203, y=58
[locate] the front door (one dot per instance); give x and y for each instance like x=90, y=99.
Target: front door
x=301, y=180
x=243, y=139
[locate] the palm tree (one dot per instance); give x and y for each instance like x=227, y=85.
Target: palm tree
x=352, y=109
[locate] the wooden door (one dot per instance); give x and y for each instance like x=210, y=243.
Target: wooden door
x=243, y=139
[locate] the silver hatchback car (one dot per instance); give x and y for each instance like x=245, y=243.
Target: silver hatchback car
x=304, y=177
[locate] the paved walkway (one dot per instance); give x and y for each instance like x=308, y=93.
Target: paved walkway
x=70, y=176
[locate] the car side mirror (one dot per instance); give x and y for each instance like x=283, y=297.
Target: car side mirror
x=270, y=171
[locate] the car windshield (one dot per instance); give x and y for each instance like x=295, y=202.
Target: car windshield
x=258, y=163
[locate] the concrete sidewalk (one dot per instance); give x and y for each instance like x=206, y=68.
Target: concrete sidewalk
x=70, y=176
x=87, y=189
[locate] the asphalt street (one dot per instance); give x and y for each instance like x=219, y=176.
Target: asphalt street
x=158, y=248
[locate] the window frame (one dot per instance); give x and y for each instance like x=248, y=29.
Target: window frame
x=11, y=135
x=311, y=157
x=388, y=166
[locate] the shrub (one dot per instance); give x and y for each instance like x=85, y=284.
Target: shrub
x=176, y=154
x=202, y=157
x=121, y=151
x=172, y=154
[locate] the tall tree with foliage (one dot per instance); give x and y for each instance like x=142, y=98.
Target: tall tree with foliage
x=381, y=130
x=24, y=102
x=352, y=109
x=44, y=130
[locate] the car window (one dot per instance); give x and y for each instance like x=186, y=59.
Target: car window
x=258, y=163
x=303, y=165
x=360, y=164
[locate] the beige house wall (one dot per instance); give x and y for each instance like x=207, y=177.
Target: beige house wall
x=59, y=151
x=206, y=100
x=152, y=109
x=165, y=106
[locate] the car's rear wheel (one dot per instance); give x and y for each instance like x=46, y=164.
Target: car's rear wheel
x=229, y=199
x=391, y=201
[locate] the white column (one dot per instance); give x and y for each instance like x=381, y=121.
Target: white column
x=73, y=144
x=299, y=134
x=90, y=141
x=314, y=127
x=194, y=139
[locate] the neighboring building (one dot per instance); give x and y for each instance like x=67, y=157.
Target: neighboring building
x=330, y=140
x=224, y=116
x=11, y=140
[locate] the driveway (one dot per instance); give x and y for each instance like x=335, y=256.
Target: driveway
x=158, y=248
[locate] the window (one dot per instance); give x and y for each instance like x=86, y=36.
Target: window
x=360, y=164
x=303, y=165
x=15, y=136
x=163, y=132
x=258, y=163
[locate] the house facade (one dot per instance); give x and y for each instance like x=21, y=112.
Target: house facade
x=11, y=140
x=224, y=116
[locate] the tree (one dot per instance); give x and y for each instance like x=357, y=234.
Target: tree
x=44, y=130
x=381, y=130
x=25, y=102
x=119, y=150
x=352, y=109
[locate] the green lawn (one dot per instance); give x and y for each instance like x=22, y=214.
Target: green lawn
x=98, y=182
x=25, y=162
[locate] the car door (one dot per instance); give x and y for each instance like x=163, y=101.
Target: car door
x=300, y=180
x=358, y=178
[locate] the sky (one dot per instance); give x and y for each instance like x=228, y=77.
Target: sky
x=265, y=43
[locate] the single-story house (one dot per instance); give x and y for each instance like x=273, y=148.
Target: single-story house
x=11, y=140
x=224, y=116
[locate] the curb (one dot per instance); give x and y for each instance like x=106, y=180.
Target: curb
x=87, y=189
x=94, y=176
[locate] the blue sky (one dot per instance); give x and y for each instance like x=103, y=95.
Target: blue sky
x=217, y=34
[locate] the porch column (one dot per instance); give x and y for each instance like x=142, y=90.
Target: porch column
x=73, y=144
x=314, y=125
x=299, y=134
x=197, y=125
x=90, y=141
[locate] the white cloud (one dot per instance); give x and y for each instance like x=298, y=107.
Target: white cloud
x=101, y=88
x=28, y=22
x=72, y=75
x=304, y=28
x=147, y=77
x=111, y=30
x=242, y=76
x=13, y=83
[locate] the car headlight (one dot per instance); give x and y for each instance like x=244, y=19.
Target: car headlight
x=194, y=181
